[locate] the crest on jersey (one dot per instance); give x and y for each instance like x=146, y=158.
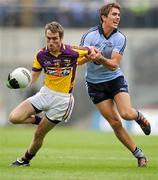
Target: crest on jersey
x=109, y=44
x=67, y=62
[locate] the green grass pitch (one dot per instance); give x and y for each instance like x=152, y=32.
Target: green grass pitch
x=74, y=154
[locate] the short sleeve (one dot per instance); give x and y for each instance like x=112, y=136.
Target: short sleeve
x=120, y=45
x=86, y=40
x=36, y=65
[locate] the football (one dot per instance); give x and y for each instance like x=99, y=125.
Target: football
x=22, y=75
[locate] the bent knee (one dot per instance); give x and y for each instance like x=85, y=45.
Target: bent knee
x=127, y=115
x=13, y=119
x=115, y=124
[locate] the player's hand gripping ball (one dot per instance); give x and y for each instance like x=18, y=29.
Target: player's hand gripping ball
x=19, y=78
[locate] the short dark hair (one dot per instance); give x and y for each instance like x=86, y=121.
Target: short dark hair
x=105, y=9
x=55, y=27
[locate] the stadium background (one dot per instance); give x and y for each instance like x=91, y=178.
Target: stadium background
x=22, y=34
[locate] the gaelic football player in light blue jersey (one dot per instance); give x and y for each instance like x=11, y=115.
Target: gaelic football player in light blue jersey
x=106, y=84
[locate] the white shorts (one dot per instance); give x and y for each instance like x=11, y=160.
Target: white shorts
x=57, y=106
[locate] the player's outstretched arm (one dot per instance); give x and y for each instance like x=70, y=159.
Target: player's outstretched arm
x=35, y=76
x=82, y=61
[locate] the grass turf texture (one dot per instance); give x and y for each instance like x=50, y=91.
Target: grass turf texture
x=72, y=154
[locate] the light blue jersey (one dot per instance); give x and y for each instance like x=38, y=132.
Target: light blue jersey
x=97, y=73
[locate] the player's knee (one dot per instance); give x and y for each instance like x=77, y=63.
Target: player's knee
x=115, y=124
x=13, y=119
x=127, y=115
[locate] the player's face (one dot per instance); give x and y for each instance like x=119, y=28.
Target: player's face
x=54, y=41
x=113, y=18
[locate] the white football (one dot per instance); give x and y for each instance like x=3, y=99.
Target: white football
x=23, y=76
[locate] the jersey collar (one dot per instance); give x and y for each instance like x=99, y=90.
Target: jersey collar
x=63, y=47
x=102, y=32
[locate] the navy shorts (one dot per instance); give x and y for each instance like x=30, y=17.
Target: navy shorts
x=106, y=90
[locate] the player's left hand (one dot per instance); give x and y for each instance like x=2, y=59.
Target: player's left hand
x=95, y=56
x=12, y=83
x=92, y=55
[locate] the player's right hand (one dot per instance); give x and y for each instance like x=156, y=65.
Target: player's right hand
x=12, y=83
